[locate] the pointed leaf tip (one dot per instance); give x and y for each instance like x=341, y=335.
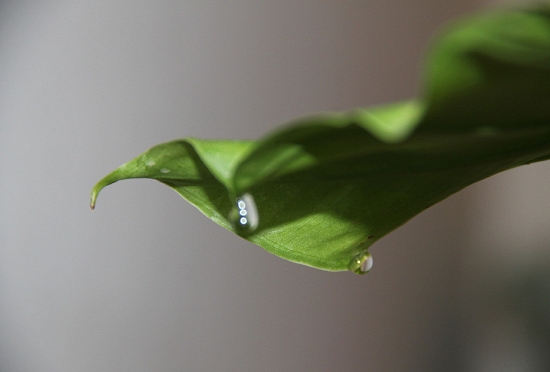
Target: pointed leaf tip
x=93, y=198
x=97, y=188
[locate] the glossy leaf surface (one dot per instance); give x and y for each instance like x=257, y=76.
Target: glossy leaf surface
x=328, y=186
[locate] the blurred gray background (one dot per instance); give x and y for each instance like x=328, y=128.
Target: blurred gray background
x=146, y=283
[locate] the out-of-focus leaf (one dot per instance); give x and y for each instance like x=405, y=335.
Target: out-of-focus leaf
x=328, y=186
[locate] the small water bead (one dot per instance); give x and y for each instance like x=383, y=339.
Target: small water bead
x=244, y=215
x=361, y=264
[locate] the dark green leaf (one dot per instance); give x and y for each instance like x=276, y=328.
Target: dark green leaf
x=328, y=186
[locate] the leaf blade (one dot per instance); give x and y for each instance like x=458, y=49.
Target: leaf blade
x=328, y=186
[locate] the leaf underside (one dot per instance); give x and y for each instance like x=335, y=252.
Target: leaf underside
x=328, y=186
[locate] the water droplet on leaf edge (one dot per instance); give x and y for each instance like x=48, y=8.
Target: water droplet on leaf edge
x=361, y=264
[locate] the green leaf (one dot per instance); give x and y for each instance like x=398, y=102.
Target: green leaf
x=326, y=187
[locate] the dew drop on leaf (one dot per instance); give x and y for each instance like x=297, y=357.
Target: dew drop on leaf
x=361, y=264
x=244, y=215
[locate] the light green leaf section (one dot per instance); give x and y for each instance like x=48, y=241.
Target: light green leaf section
x=327, y=187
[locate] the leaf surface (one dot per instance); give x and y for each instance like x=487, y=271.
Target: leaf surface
x=326, y=187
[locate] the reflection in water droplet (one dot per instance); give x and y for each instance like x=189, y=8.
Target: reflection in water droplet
x=164, y=170
x=244, y=215
x=361, y=264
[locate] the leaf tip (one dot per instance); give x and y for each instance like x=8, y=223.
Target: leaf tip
x=97, y=188
x=93, y=197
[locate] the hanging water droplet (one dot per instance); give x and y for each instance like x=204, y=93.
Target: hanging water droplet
x=244, y=215
x=361, y=264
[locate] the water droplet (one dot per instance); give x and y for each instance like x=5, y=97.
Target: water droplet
x=150, y=163
x=244, y=215
x=164, y=170
x=361, y=264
